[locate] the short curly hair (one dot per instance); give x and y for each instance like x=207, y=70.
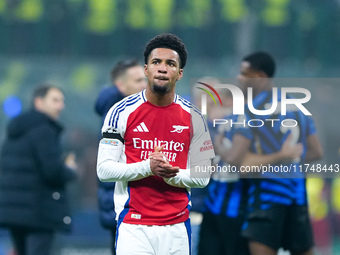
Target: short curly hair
x=261, y=61
x=168, y=41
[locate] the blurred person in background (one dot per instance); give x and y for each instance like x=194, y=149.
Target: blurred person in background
x=127, y=77
x=33, y=177
x=198, y=195
x=277, y=211
x=226, y=201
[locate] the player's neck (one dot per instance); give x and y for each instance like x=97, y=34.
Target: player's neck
x=159, y=99
x=266, y=87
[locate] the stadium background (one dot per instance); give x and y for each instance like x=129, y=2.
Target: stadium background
x=74, y=43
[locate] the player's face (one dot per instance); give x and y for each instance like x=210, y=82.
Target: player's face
x=163, y=70
x=52, y=104
x=134, y=80
x=248, y=77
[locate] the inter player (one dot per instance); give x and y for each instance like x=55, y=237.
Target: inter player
x=277, y=213
x=226, y=203
x=150, y=141
x=226, y=199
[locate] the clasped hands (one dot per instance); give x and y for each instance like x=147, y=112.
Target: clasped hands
x=160, y=165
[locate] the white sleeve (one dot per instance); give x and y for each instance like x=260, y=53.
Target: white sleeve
x=110, y=150
x=110, y=170
x=201, y=152
x=184, y=178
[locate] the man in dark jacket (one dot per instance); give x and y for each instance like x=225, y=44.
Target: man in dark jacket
x=128, y=78
x=33, y=201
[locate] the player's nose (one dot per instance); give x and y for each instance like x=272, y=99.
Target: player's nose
x=162, y=68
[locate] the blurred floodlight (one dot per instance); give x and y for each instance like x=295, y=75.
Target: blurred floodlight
x=12, y=106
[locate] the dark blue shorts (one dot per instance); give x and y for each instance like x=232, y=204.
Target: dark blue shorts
x=280, y=226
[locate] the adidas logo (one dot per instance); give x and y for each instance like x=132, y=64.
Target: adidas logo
x=141, y=128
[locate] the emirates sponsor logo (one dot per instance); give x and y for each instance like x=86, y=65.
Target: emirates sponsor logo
x=150, y=144
x=170, y=148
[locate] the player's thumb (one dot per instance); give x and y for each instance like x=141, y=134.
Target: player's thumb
x=289, y=138
x=159, y=149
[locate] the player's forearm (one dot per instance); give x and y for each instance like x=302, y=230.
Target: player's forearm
x=314, y=149
x=183, y=180
x=111, y=171
x=252, y=159
x=313, y=155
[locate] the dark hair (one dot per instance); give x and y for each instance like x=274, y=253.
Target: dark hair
x=43, y=89
x=168, y=41
x=121, y=67
x=261, y=61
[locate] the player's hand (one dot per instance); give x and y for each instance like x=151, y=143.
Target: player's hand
x=70, y=161
x=164, y=170
x=291, y=151
x=160, y=166
x=158, y=155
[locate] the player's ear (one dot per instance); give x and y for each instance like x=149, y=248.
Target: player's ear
x=38, y=102
x=180, y=74
x=262, y=74
x=146, y=70
x=120, y=86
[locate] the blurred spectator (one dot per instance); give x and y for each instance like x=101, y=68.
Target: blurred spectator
x=128, y=78
x=33, y=199
x=198, y=194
